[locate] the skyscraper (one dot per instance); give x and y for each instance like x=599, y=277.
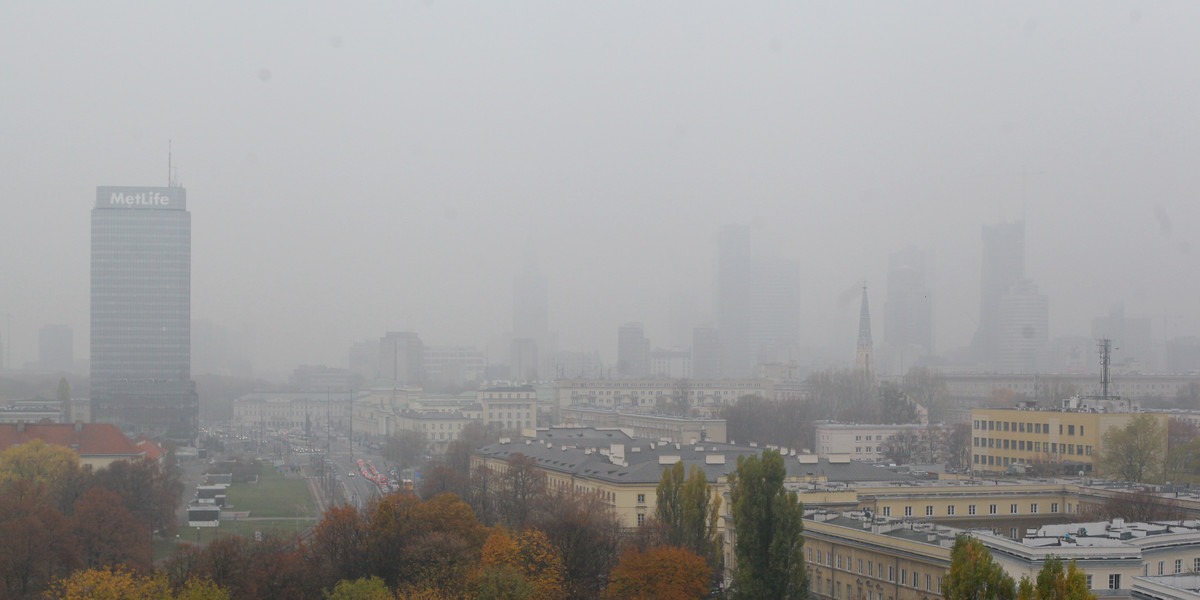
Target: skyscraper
x=401, y=358
x=633, y=351
x=774, y=309
x=1002, y=266
x=141, y=375
x=907, y=312
x=734, y=320
x=1022, y=324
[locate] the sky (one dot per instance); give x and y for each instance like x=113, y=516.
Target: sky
x=358, y=168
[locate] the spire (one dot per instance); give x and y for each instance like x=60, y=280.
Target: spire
x=865, y=359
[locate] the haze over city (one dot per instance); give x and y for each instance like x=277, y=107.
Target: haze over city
x=352, y=171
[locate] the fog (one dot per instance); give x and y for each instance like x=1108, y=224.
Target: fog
x=354, y=169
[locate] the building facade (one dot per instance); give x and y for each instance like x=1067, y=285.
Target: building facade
x=141, y=312
x=1001, y=437
x=862, y=442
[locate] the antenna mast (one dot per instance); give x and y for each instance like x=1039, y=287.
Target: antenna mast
x=1105, y=348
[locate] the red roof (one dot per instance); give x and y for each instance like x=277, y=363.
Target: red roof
x=149, y=446
x=86, y=439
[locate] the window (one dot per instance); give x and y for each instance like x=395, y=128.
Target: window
x=871, y=568
x=903, y=576
x=1114, y=581
x=1179, y=565
x=970, y=509
x=950, y=510
x=1070, y=430
x=1012, y=508
x=928, y=582
x=929, y=511
x=991, y=509
x=1196, y=564
x=1081, y=430
x=887, y=511
x=860, y=566
x=1160, y=567
x=1053, y=507
x=1033, y=508
x=641, y=498
x=839, y=561
x=891, y=573
x=1089, y=581
x=908, y=511
x=641, y=520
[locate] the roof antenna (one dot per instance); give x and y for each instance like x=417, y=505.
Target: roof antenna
x=172, y=177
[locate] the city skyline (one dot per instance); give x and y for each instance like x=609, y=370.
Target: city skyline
x=388, y=168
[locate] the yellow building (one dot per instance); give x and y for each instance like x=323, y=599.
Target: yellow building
x=1002, y=437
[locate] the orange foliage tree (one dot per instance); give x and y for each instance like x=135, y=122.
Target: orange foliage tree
x=106, y=534
x=662, y=573
x=527, y=561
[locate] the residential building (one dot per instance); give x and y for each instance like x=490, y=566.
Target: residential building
x=860, y=441
x=1001, y=437
x=440, y=428
x=141, y=312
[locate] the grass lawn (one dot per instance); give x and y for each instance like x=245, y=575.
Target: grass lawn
x=272, y=496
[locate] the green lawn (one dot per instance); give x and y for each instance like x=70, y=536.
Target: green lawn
x=272, y=496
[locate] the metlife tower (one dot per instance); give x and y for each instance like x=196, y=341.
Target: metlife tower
x=141, y=312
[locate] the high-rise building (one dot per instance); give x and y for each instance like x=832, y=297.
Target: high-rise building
x=706, y=353
x=523, y=360
x=1001, y=267
x=401, y=358
x=633, y=351
x=1022, y=324
x=774, y=309
x=907, y=311
x=56, y=348
x=734, y=307
x=141, y=375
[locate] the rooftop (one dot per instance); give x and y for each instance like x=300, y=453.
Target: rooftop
x=87, y=439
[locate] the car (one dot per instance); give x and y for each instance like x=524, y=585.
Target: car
x=350, y=474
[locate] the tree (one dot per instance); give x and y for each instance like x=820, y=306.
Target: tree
x=63, y=393
x=38, y=462
x=107, y=535
x=901, y=447
x=958, y=446
x=688, y=511
x=974, y=575
x=338, y=544
x=662, y=573
x=1183, y=449
x=586, y=534
x=1055, y=584
x=522, y=485
x=538, y=570
x=406, y=448
x=768, y=523
x=37, y=544
x=895, y=408
x=365, y=588
x=105, y=584
x=1139, y=505
x=1135, y=452
x=927, y=388
x=149, y=491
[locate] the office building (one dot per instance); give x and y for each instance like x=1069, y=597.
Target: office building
x=1065, y=440
x=734, y=317
x=774, y=310
x=706, y=353
x=523, y=359
x=633, y=351
x=1022, y=321
x=1002, y=266
x=907, y=311
x=56, y=348
x=401, y=358
x=141, y=279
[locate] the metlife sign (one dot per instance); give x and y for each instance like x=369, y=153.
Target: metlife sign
x=153, y=198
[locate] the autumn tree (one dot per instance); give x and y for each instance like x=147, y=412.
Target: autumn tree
x=586, y=533
x=107, y=535
x=338, y=544
x=365, y=588
x=435, y=542
x=974, y=575
x=902, y=447
x=250, y=570
x=120, y=584
x=687, y=510
x=1135, y=452
x=662, y=573
x=895, y=407
x=958, y=446
x=37, y=462
x=1055, y=583
x=522, y=486
x=149, y=491
x=768, y=523
x=35, y=540
x=524, y=565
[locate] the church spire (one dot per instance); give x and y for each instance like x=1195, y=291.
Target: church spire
x=865, y=359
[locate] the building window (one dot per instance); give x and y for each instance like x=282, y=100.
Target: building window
x=970, y=509
x=641, y=498
x=928, y=582
x=891, y=573
x=641, y=520
x=1196, y=565
x=1114, y=581
x=1053, y=507
x=991, y=509
x=929, y=511
x=1161, y=567
x=1089, y=581
x=908, y=511
x=860, y=566
x=887, y=511
x=871, y=568
x=950, y=510
x=1179, y=565
x=839, y=561
x=903, y=576
x=1012, y=509
x=1033, y=508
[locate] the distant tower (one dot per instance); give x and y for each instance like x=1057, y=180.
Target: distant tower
x=865, y=360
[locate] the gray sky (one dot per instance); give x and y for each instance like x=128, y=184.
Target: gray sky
x=358, y=168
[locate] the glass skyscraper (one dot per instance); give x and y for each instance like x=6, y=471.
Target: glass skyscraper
x=141, y=374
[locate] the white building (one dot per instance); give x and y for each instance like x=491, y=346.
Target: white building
x=861, y=442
